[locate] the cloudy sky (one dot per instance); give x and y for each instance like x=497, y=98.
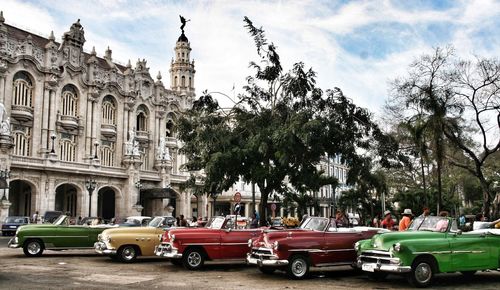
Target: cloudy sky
x=358, y=46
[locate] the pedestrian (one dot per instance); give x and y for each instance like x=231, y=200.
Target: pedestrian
x=404, y=223
x=376, y=221
x=34, y=218
x=183, y=222
x=178, y=221
x=426, y=211
x=387, y=222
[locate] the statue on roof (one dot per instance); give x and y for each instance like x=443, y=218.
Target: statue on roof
x=183, y=22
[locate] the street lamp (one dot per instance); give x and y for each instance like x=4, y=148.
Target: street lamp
x=4, y=175
x=53, y=138
x=90, y=184
x=96, y=143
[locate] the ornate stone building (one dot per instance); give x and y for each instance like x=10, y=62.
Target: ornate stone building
x=86, y=135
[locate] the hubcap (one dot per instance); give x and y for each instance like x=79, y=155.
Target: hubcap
x=194, y=259
x=423, y=272
x=299, y=267
x=34, y=248
x=128, y=253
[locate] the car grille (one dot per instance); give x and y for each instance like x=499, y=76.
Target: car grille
x=262, y=253
x=381, y=257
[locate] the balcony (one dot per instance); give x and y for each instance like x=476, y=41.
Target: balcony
x=22, y=113
x=142, y=136
x=108, y=130
x=69, y=122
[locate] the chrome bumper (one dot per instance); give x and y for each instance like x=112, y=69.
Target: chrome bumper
x=391, y=268
x=265, y=262
x=13, y=243
x=101, y=248
x=166, y=250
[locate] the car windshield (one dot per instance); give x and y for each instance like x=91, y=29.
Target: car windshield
x=315, y=224
x=430, y=223
x=161, y=222
x=61, y=220
x=216, y=223
x=16, y=220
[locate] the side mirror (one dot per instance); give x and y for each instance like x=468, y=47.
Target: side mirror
x=228, y=230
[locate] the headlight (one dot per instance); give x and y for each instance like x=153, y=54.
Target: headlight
x=160, y=237
x=396, y=247
x=356, y=246
x=249, y=243
x=172, y=239
x=276, y=245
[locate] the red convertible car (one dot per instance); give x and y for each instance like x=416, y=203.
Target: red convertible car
x=221, y=238
x=317, y=242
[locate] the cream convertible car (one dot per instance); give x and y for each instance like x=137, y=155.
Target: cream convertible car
x=126, y=244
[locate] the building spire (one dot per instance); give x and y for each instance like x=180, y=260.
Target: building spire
x=2, y=19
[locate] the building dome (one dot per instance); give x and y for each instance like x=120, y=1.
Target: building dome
x=182, y=38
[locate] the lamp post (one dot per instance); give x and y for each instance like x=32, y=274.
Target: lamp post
x=96, y=143
x=4, y=175
x=53, y=138
x=90, y=184
x=214, y=196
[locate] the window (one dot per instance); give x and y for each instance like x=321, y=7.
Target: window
x=69, y=101
x=108, y=111
x=142, y=119
x=107, y=153
x=23, y=90
x=175, y=81
x=67, y=148
x=170, y=129
x=183, y=81
x=22, y=141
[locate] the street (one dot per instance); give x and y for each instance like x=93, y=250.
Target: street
x=83, y=269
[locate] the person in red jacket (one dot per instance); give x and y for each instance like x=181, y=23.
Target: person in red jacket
x=388, y=222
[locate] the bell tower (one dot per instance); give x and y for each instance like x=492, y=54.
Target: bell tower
x=182, y=67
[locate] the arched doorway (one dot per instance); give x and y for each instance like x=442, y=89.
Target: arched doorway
x=66, y=199
x=21, y=197
x=106, y=203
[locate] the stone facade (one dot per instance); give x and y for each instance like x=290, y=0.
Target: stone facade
x=86, y=135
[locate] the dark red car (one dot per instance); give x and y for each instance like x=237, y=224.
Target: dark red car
x=317, y=242
x=222, y=238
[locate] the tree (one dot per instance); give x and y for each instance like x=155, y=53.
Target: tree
x=457, y=100
x=278, y=131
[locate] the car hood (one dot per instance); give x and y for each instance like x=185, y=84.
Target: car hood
x=386, y=240
x=127, y=230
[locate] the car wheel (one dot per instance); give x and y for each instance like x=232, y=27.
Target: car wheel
x=193, y=259
x=33, y=248
x=422, y=273
x=127, y=254
x=176, y=262
x=298, y=267
x=267, y=270
x=377, y=276
x=468, y=274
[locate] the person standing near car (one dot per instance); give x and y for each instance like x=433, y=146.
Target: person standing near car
x=34, y=218
x=406, y=220
x=426, y=212
x=183, y=222
x=388, y=222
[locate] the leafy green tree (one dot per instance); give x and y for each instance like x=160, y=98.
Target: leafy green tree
x=277, y=133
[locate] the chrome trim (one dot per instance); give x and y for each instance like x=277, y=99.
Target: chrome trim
x=377, y=252
x=261, y=262
x=320, y=251
x=27, y=237
x=385, y=267
x=433, y=253
x=204, y=244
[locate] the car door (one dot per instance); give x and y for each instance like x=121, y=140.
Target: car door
x=470, y=251
x=234, y=242
x=339, y=245
x=71, y=237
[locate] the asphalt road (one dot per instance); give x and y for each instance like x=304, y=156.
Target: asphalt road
x=87, y=270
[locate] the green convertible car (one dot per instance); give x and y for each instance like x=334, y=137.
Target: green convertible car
x=431, y=245
x=36, y=238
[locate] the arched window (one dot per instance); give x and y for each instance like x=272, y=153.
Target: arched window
x=169, y=132
x=190, y=82
x=108, y=153
x=142, y=118
x=69, y=101
x=23, y=90
x=67, y=148
x=108, y=111
x=175, y=81
x=183, y=81
x=22, y=141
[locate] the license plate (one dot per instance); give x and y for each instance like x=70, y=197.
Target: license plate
x=12, y=227
x=368, y=267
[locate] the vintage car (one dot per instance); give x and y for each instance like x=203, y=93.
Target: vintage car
x=316, y=242
x=126, y=243
x=431, y=245
x=11, y=223
x=220, y=239
x=60, y=235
